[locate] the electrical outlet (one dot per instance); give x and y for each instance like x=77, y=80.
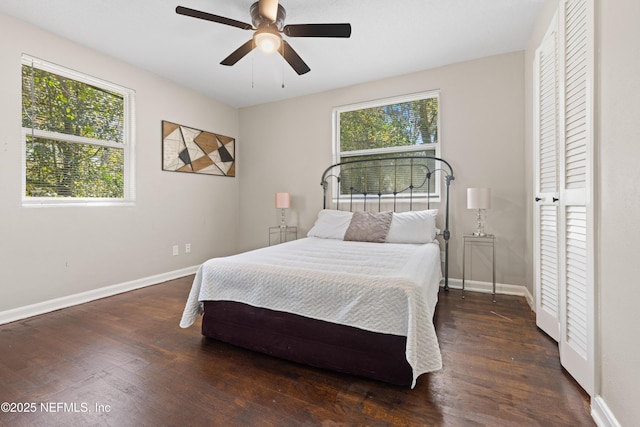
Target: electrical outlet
x=176, y=250
x=187, y=248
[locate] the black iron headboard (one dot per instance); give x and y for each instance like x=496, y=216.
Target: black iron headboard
x=388, y=181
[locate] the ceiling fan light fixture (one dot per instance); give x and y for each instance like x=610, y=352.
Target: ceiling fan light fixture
x=267, y=17
x=267, y=41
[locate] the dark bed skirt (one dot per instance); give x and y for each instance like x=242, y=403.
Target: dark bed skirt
x=312, y=342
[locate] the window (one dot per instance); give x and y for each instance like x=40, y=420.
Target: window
x=396, y=127
x=77, y=137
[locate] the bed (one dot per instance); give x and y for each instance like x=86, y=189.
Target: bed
x=358, y=293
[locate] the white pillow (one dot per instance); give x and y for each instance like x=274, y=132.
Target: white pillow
x=413, y=227
x=331, y=224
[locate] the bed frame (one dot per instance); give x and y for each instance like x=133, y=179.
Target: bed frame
x=365, y=182
x=356, y=184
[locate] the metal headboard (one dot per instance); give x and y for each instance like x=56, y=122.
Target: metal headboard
x=388, y=181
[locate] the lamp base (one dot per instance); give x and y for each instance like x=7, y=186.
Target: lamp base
x=282, y=222
x=479, y=225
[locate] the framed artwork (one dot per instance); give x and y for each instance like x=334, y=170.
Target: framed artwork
x=186, y=149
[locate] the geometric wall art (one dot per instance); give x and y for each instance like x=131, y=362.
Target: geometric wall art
x=185, y=149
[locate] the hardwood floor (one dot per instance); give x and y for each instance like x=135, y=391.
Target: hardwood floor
x=124, y=361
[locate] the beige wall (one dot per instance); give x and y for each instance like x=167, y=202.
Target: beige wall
x=618, y=270
x=286, y=146
x=48, y=253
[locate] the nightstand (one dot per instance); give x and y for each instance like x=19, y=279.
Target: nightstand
x=473, y=240
x=281, y=234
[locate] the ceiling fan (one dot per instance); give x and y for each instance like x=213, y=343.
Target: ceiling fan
x=267, y=17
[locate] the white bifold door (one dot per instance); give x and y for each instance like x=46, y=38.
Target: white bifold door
x=563, y=215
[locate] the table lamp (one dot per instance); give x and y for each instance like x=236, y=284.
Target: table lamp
x=283, y=201
x=479, y=199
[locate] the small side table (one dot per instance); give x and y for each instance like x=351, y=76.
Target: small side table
x=280, y=234
x=486, y=240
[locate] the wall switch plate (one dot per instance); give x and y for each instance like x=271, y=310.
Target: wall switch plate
x=187, y=248
x=176, y=250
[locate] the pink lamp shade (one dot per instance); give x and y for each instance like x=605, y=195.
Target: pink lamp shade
x=283, y=201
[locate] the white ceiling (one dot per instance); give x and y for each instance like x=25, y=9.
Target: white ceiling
x=388, y=38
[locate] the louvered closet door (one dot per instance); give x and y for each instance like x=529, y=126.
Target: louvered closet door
x=546, y=246
x=577, y=310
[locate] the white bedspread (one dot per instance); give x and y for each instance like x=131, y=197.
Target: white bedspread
x=381, y=287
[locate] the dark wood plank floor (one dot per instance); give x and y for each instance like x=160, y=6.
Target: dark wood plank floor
x=123, y=361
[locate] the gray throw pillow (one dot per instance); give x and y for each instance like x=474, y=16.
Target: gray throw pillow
x=369, y=227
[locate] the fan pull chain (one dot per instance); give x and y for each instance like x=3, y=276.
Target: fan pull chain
x=252, y=71
x=282, y=48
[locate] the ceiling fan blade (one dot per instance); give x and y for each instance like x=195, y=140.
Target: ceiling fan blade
x=293, y=58
x=268, y=9
x=180, y=10
x=239, y=53
x=318, y=30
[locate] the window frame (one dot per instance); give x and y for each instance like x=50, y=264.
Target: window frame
x=127, y=145
x=339, y=156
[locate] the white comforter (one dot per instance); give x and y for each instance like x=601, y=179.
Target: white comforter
x=381, y=287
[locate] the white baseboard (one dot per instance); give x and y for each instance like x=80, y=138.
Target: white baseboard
x=487, y=287
x=19, y=313
x=601, y=413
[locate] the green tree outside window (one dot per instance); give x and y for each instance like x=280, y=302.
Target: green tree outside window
x=75, y=137
x=393, y=128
